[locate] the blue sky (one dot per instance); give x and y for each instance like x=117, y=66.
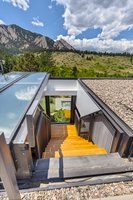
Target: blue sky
x=100, y=25
x=51, y=18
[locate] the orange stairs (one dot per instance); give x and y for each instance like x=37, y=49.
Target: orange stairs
x=66, y=142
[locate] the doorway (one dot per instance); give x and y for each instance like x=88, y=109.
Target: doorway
x=61, y=109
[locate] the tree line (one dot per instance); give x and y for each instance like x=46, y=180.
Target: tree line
x=44, y=61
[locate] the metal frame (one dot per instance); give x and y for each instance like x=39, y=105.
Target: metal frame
x=47, y=105
x=7, y=170
x=73, y=105
x=31, y=112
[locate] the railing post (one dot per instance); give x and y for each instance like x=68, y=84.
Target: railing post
x=7, y=171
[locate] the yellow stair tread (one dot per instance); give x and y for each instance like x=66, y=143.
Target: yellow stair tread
x=57, y=154
x=71, y=148
x=69, y=139
x=76, y=142
x=83, y=150
x=70, y=144
x=79, y=147
x=78, y=153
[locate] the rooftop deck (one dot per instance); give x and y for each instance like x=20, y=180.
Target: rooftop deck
x=117, y=94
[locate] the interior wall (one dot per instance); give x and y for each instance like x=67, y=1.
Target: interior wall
x=103, y=133
x=84, y=103
x=64, y=87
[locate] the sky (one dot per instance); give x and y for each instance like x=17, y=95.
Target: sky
x=94, y=25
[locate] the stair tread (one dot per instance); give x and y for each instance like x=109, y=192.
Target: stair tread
x=70, y=144
x=70, y=149
x=57, y=154
x=79, y=151
x=83, y=150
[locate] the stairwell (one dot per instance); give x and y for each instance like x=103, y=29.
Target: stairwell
x=66, y=142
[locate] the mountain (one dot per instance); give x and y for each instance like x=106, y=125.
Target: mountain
x=15, y=39
x=62, y=45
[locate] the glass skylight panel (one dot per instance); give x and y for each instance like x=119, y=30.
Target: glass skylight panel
x=15, y=100
x=8, y=78
x=33, y=78
x=2, y=85
x=13, y=103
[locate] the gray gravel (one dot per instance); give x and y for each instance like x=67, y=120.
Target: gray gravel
x=81, y=193
x=117, y=94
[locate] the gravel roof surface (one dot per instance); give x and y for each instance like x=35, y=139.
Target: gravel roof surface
x=117, y=94
x=80, y=193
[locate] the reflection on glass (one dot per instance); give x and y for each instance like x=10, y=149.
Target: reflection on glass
x=8, y=78
x=13, y=102
x=33, y=78
x=27, y=93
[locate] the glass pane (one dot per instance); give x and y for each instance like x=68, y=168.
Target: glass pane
x=13, y=102
x=2, y=85
x=33, y=78
x=8, y=78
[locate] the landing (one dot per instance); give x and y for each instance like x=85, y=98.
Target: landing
x=81, y=166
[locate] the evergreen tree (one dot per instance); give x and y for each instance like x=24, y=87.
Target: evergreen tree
x=131, y=59
x=74, y=72
x=27, y=62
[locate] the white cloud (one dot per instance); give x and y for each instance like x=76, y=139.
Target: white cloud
x=11, y=115
x=111, y=16
x=50, y=6
x=23, y=4
x=6, y=130
x=26, y=94
x=97, y=44
x=37, y=22
x=2, y=22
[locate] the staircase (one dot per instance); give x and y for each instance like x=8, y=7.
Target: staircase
x=65, y=142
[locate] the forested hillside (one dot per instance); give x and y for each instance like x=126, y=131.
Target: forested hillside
x=71, y=64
